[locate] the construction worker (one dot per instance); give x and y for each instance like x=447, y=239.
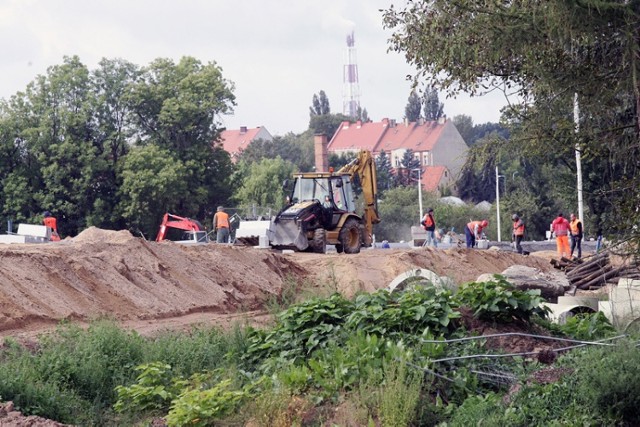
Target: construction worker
x=221, y=225
x=429, y=224
x=575, y=227
x=52, y=223
x=560, y=227
x=473, y=231
x=518, y=232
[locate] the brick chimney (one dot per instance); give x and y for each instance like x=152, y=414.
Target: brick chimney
x=322, y=155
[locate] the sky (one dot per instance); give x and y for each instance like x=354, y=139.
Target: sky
x=277, y=54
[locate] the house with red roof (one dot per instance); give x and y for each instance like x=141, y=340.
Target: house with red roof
x=237, y=140
x=436, y=144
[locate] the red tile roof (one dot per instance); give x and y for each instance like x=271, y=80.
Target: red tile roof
x=432, y=177
x=357, y=136
x=386, y=135
x=236, y=140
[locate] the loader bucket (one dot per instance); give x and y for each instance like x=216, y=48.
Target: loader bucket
x=287, y=233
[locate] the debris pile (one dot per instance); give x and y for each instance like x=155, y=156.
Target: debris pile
x=596, y=271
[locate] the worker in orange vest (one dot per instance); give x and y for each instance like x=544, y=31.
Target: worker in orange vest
x=429, y=224
x=221, y=225
x=575, y=226
x=473, y=231
x=560, y=227
x=518, y=232
x=52, y=223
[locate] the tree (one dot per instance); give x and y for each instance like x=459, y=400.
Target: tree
x=362, y=115
x=413, y=108
x=153, y=182
x=284, y=147
x=327, y=124
x=384, y=173
x=408, y=163
x=320, y=105
x=176, y=107
x=433, y=108
x=548, y=53
x=464, y=124
x=263, y=184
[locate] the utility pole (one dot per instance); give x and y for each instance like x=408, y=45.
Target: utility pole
x=498, y=202
x=419, y=192
x=576, y=119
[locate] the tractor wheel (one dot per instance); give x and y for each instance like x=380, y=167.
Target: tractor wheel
x=349, y=236
x=320, y=241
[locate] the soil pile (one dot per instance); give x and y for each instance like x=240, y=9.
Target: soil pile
x=149, y=286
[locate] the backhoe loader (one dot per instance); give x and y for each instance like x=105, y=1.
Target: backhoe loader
x=321, y=210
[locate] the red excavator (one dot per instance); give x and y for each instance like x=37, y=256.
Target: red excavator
x=180, y=229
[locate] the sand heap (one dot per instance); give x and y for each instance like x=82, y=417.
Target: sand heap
x=114, y=274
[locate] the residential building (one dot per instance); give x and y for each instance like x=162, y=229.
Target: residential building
x=436, y=144
x=236, y=140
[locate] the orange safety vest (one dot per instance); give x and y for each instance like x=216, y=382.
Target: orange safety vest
x=222, y=220
x=428, y=221
x=573, y=225
x=518, y=228
x=51, y=223
x=560, y=226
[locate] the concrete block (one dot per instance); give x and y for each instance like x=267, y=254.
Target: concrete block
x=586, y=301
x=34, y=230
x=625, y=282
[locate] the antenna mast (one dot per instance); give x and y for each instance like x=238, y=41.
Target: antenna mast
x=351, y=95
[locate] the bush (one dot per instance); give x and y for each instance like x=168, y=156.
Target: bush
x=499, y=300
x=609, y=379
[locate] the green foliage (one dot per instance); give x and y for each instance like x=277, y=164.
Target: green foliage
x=152, y=183
x=608, y=380
x=433, y=108
x=499, y=300
x=300, y=330
x=551, y=54
x=412, y=112
x=155, y=389
x=200, y=407
x=399, y=395
x=262, y=183
x=588, y=326
x=200, y=348
x=410, y=312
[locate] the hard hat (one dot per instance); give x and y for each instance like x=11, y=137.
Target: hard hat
x=46, y=214
x=515, y=216
x=485, y=223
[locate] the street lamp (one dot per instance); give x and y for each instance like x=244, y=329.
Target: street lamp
x=498, y=201
x=419, y=191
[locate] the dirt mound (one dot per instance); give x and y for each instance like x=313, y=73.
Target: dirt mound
x=146, y=285
x=375, y=269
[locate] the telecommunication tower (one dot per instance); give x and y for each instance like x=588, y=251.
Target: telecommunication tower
x=351, y=94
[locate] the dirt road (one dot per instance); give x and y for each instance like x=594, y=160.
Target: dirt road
x=150, y=286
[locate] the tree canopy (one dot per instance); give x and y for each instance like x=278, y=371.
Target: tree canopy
x=117, y=146
x=550, y=53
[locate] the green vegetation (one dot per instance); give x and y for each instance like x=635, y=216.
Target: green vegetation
x=387, y=358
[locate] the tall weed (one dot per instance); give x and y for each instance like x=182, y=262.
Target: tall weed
x=399, y=395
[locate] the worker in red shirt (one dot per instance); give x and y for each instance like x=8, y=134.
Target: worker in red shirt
x=560, y=227
x=52, y=223
x=473, y=231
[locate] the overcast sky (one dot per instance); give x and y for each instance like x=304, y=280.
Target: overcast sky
x=278, y=54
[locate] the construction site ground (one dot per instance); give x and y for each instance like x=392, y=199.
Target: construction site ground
x=150, y=287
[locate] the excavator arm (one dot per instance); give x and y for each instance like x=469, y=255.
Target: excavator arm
x=364, y=167
x=175, y=221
